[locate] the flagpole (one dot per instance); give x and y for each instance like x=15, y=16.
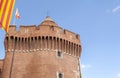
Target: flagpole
x=14, y=22
x=16, y=16
x=12, y=60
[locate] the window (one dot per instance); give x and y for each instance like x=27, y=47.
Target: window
x=59, y=54
x=60, y=75
x=52, y=28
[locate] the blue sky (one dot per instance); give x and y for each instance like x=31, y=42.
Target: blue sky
x=97, y=22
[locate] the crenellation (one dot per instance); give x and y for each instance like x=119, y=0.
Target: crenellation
x=58, y=29
x=12, y=28
x=67, y=32
x=29, y=28
x=28, y=31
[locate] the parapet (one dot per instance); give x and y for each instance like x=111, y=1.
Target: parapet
x=33, y=30
x=46, y=34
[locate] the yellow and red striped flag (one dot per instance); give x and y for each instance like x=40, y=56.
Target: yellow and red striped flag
x=6, y=9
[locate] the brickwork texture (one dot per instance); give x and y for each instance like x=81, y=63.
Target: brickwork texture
x=41, y=51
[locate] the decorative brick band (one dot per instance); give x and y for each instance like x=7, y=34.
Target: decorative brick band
x=28, y=44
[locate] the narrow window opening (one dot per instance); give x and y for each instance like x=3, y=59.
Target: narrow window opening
x=59, y=54
x=60, y=75
x=52, y=28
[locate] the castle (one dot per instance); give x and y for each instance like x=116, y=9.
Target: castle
x=43, y=51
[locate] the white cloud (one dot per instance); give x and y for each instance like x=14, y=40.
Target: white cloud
x=83, y=66
x=116, y=9
x=118, y=75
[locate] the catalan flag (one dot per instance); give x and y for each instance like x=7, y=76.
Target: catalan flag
x=6, y=9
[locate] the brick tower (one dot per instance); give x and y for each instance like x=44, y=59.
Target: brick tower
x=44, y=51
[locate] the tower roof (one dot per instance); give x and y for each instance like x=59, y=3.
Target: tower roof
x=48, y=22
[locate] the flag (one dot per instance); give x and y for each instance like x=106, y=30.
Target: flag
x=17, y=14
x=6, y=9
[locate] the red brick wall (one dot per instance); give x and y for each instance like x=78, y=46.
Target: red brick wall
x=43, y=64
x=31, y=52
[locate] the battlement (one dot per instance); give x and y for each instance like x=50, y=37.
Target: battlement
x=48, y=35
x=33, y=30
